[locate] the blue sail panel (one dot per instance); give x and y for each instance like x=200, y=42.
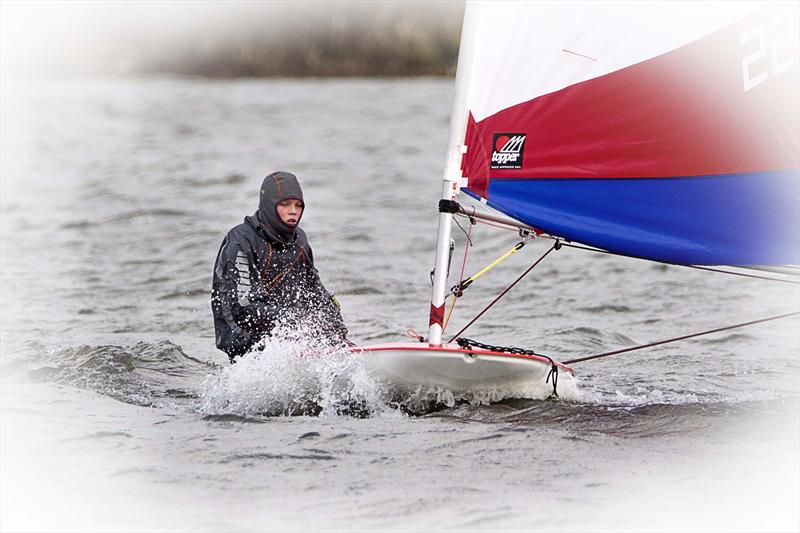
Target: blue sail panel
x=735, y=219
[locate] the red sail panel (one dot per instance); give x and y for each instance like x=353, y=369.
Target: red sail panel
x=725, y=104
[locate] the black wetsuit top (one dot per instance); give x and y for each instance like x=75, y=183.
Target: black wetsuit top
x=265, y=277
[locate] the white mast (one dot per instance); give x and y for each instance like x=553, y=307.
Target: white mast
x=452, y=171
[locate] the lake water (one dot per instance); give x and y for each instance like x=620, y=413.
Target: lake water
x=118, y=413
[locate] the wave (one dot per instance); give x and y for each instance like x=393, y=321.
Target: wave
x=588, y=337
x=361, y=290
x=643, y=415
x=289, y=375
x=292, y=374
x=127, y=216
x=228, y=179
x=597, y=309
x=146, y=374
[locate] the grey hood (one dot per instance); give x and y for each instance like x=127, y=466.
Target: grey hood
x=275, y=188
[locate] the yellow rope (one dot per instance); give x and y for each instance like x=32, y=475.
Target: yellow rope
x=517, y=247
x=463, y=285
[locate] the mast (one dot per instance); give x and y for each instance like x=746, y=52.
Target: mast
x=452, y=172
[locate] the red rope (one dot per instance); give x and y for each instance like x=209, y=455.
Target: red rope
x=460, y=276
x=466, y=252
x=497, y=225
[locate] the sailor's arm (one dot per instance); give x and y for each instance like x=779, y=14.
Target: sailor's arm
x=330, y=304
x=240, y=315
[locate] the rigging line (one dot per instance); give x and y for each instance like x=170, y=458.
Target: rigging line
x=499, y=225
x=471, y=223
x=598, y=250
x=505, y=291
x=461, y=275
x=467, y=282
x=674, y=339
x=742, y=274
x=697, y=267
x=453, y=300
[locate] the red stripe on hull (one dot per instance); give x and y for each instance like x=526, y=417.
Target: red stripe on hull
x=452, y=348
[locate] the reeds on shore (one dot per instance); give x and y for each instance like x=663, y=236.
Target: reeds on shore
x=309, y=40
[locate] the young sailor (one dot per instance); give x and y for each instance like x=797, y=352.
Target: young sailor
x=265, y=276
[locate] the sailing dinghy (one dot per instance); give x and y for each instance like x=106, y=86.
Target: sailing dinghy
x=660, y=131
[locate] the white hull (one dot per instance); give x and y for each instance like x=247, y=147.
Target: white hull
x=457, y=369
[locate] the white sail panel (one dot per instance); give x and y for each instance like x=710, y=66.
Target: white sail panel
x=522, y=50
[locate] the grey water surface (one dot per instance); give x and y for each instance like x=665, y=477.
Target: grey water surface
x=118, y=413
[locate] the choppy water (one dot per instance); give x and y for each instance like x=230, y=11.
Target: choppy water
x=119, y=413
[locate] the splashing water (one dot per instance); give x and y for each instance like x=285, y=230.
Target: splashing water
x=292, y=373
x=286, y=375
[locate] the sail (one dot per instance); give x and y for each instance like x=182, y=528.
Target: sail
x=666, y=131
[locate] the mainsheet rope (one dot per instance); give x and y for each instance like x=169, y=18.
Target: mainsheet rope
x=674, y=339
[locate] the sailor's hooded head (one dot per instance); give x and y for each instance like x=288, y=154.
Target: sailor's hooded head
x=275, y=188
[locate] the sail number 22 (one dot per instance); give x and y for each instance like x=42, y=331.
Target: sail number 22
x=779, y=52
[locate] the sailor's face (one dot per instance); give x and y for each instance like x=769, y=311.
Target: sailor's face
x=290, y=211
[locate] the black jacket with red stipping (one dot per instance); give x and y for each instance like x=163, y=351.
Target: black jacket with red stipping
x=265, y=277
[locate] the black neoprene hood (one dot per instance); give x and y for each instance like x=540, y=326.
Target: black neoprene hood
x=275, y=188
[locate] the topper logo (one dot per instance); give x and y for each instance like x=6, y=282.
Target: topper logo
x=507, y=150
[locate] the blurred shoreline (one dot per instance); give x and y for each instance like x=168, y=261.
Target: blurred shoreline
x=216, y=40
x=336, y=45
